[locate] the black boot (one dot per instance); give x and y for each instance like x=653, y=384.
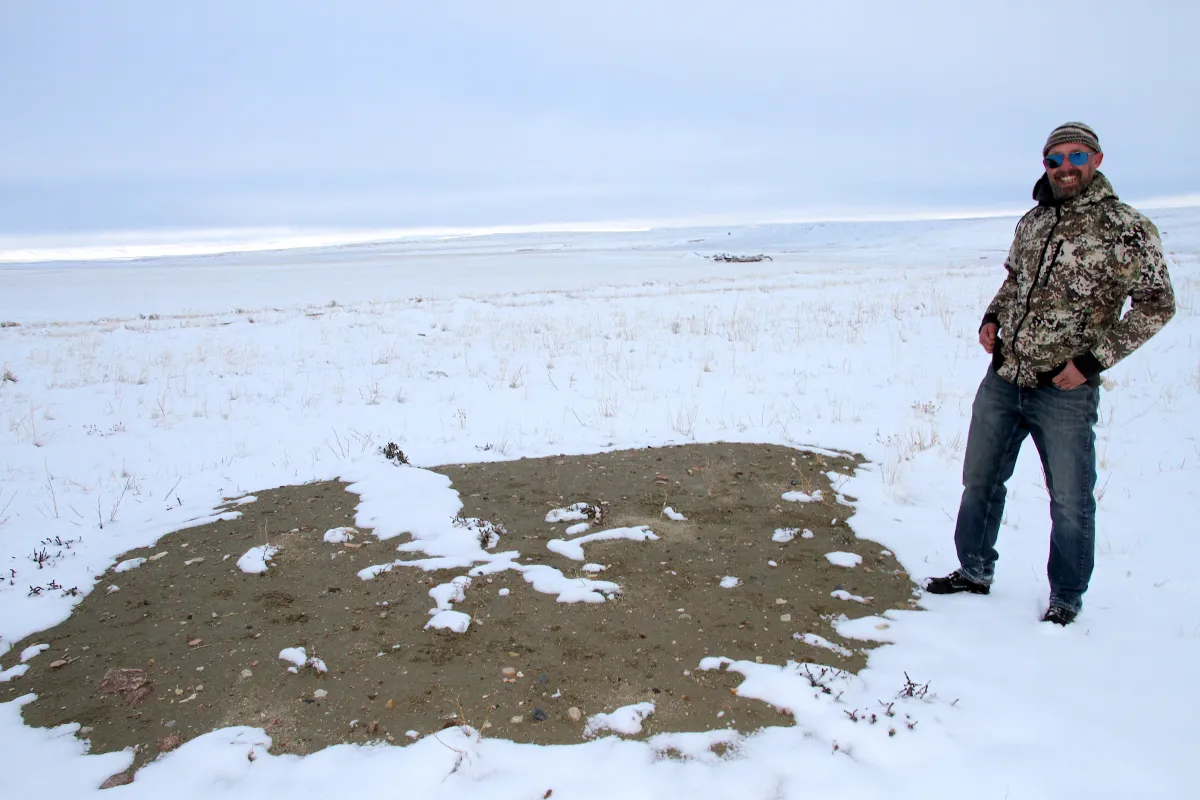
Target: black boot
x=954, y=583
x=1059, y=615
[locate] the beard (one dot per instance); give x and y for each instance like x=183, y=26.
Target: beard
x=1063, y=192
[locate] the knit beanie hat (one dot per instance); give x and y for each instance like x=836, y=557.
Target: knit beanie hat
x=1072, y=132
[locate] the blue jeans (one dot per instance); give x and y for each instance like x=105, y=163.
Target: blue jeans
x=1063, y=427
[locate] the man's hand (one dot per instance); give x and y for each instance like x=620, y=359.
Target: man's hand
x=1070, y=377
x=987, y=336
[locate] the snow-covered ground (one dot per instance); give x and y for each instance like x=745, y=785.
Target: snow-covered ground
x=137, y=395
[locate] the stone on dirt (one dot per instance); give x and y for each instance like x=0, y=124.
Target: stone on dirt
x=132, y=685
x=120, y=779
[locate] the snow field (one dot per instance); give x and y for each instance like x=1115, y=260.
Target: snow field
x=117, y=429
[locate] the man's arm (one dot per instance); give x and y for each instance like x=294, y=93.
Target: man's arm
x=1153, y=305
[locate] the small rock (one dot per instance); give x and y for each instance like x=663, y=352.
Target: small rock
x=320, y=694
x=517, y=720
x=785, y=617
x=779, y=601
x=169, y=743
x=62, y=662
x=157, y=556
x=514, y=654
x=543, y=678
x=539, y=715
x=253, y=664
x=131, y=684
x=170, y=723
x=120, y=779
x=86, y=730
x=246, y=673
x=574, y=714
x=194, y=642
x=758, y=659
x=390, y=704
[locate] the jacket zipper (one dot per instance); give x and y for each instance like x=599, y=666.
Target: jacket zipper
x=1053, y=261
x=1029, y=295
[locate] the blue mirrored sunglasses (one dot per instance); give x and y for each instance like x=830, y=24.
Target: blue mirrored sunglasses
x=1078, y=159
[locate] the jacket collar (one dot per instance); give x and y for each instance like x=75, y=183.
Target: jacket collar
x=1097, y=191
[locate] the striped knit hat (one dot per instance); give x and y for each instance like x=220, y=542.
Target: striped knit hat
x=1072, y=132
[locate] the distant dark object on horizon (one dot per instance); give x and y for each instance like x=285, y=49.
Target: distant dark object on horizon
x=732, y=259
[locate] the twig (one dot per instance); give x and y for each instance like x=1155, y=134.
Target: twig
x=173, y=488
x=4, y=519
x=50, y=484
x=33, y=426
x=116, y=506
x=461, y=753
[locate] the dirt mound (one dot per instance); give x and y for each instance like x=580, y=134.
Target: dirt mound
x=207, y=637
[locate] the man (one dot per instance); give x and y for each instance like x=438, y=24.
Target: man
x=1053, y=327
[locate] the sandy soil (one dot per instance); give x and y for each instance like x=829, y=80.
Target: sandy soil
x=208, y=636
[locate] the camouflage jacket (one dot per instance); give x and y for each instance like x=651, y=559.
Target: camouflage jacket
x=1070, y=269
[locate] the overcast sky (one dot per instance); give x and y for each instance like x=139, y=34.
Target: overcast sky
x=127, y=115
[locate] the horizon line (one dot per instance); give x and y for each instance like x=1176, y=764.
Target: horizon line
x=133, y=244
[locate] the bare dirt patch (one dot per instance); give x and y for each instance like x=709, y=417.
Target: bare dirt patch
x=207, y=637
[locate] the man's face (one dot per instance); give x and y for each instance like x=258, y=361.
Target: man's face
x=1068, y=179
